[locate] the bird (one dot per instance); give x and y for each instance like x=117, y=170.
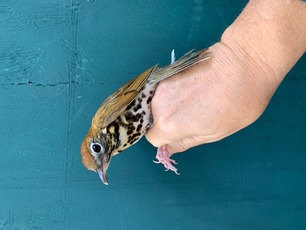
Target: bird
x=125, y=116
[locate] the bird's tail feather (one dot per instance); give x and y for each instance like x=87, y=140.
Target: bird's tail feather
x=189, y=59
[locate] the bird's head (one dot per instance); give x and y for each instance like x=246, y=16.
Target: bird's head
x=96, y=152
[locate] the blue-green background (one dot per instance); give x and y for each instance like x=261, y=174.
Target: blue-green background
x=59, y=59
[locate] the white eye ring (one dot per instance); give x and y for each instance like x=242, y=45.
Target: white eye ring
x=96, y=148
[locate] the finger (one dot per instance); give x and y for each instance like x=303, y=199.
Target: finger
x=176, y=147
x=184, y=144
x=157, y=137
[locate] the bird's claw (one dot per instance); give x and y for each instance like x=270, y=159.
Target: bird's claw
x=175, y=171
x=163, y=158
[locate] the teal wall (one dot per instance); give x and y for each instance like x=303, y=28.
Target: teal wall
x=60, y=59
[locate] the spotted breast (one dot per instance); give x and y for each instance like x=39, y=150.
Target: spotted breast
x=130, y=126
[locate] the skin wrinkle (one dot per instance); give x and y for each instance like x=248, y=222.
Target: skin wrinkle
x=255, y=59
x=241, y=64
x=252, y=63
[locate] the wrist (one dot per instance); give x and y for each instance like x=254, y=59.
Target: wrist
x=245, y=81
x=272, y=33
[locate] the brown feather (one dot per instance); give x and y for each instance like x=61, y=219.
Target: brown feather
x=87, y=157
x=116, y=104
x=189, y=59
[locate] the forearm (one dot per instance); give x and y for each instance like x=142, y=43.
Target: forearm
x=272, y=33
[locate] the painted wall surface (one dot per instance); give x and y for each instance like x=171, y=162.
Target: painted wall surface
x=60, y=59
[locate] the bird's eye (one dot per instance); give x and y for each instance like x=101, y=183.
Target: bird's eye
x=96, y=147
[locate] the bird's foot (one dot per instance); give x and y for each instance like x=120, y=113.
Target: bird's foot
x=162, y=157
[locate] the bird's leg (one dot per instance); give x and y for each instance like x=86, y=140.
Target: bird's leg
x=162, y=157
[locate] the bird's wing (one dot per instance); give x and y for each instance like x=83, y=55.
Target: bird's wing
x=116, y=104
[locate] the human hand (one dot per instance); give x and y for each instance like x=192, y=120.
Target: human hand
x=215, y=99
x=210, y=101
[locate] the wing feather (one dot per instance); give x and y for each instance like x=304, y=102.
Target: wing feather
x=116, y=104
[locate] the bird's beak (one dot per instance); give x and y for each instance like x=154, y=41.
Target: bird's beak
x=102, y=171
x=103, y=176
